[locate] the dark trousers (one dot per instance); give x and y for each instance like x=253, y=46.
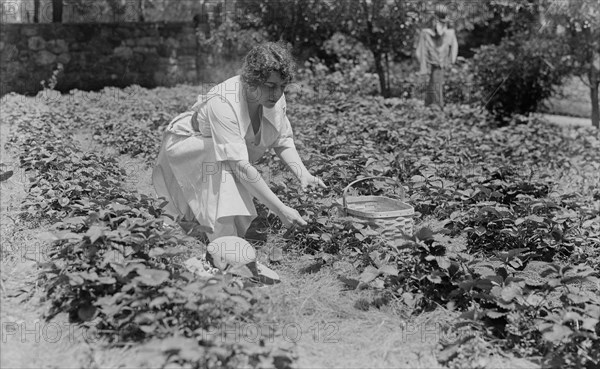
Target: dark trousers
x=435, y=89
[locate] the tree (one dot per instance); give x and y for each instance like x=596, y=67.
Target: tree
x=57, y=11
x=36, y=11
x=174, y=10
x=581, y=22
x=385, y=27
x=141, y=7
x=306, y=24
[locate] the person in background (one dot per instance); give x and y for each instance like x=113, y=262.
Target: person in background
x=436, y=51
x=204, y=168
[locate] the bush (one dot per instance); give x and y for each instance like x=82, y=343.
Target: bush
x=349, y=73
x=345, y=78
x=519, y=73
x=225, y=49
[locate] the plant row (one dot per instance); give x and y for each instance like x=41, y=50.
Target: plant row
x=518, y=194
x=116, y=267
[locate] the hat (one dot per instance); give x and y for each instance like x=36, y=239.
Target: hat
x=441, y=13
x=230, y=250
x=238, y=256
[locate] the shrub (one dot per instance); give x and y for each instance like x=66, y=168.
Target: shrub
x=225, y=49
x=350, y=73
x=519, y=73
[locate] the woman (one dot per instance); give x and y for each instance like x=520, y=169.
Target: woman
x=204, y=167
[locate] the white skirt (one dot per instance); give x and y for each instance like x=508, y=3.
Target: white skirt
x=199, y=188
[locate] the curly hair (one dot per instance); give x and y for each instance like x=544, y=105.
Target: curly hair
x=265, y=58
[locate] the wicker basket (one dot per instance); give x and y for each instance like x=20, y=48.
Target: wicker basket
x=393, y=218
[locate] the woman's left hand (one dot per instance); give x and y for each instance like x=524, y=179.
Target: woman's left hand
x=310, y=181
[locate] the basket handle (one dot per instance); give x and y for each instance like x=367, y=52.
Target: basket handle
x=402, y=195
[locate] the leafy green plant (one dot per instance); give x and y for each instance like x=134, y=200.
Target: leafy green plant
x=522, y=197
x=544, y=314
x=51, y=83
x=519, y=73
x=459, y=86
x=114, y=265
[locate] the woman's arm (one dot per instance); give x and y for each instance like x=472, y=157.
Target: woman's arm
x=290, y=157
x=251, y=179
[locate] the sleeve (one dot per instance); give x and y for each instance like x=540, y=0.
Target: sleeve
x=420, y=52
x=453, y=48
x=286, y=135
x=225, y=129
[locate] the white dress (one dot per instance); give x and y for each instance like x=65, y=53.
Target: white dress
x=191, y=171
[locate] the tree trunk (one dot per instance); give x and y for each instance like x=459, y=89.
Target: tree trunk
x=36, y=11
x=142, y=10
x=202, y=30
x=594, y=78
x=57, y=11
x=380, y=69
x=595, y=108
x=387, y=74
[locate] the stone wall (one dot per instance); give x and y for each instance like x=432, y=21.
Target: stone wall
x=97, y=55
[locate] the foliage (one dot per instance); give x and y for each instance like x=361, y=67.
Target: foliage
x=383, y=27
x=350, y=74
x=547, y=313
x=53, y=80
x=229, y=41
x=344, y=47
x=575, y=26
x=459, y=87
x=115, y=266
x=582, y=31
x=515, y=217
x=486, y=30
x=306, y=24
x=505, y=213
x=519, y=73
x=581, y=20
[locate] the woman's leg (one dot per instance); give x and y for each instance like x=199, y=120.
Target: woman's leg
x=223, y=227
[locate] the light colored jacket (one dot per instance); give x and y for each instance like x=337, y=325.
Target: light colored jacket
x=436, y=50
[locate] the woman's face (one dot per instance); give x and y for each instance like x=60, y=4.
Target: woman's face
x=269, y=92
x=440, y=27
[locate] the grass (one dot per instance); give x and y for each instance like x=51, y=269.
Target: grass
x=573, y=100
x=337, y=334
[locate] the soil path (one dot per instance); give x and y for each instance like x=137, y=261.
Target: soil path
x=27, y=341
x=563, y=120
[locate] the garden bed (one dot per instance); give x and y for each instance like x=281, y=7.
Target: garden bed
x=506, y=243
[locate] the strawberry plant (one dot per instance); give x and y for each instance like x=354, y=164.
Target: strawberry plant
x=523, y=197
x=114, y=265
x=547, y=314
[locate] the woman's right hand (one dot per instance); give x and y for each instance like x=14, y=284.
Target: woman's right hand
x=290, y=217
x=243, y=170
